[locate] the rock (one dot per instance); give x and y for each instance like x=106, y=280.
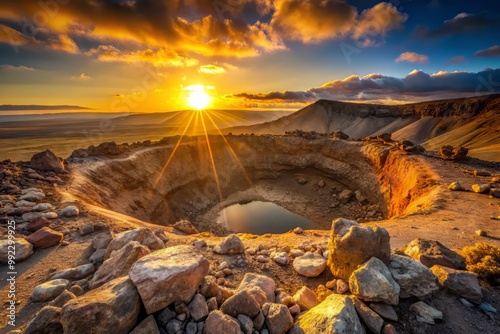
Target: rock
x=231, y=245
x=174, y=326
x=259, y=320
x=49, y=290
x=431, y=252
x=200, y=244
x=168, y=275
x=300, y=179
x=116, y=305
x=75, y=273
x=266, y=283
x=23, y=250
x=70, y=211
x=62, y=299
x=42, y=207
x=425, y=313
x=119, y=264
x=414, y=279
x=455, y=186
x=47, y=161
x=49, y=215
x=481, y=233
x=481, y=188
x=305, y=298
x=38, y=223
x=335, y=315
x=495, y=192
x=321, y=183
x=101, y=241
x=86, y=229
x=77, y=290
x=385, y=311
x=209, y=287
x=45, y=238
x=345, y=196
x=258, y=294
x=278, y=319
x=198, y=308
x=389, y=329
x=25, y=204
x=351, y=245
x=147, y=326
x=282, y=258
x=246, y=324
x=45, y=322
x=466, y=303
x=487, y=308
x=97, y=258
x=371, y=319
x=144, y=236
x=218, y=322
x=373, y=282
x=309, y=264
x=262, y=258
x=298, y=230
x=28, y=216
x=185, y=227
x=165, y=315
x=461, y=282
x=321, y=293
x=242, y=302
x=453, y=153
x=341, y=286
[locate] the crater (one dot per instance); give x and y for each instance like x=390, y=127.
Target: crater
x=316, y=180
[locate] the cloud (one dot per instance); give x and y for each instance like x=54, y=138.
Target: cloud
x=16, y=68
x=82, y=77
x=211, y=69
x=455, y=60
x=461, y=23
x=417, y=85
x=493, y=51
x=412, y=57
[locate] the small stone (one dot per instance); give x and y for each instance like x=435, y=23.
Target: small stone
x=185, y=227
x=77, y=290
x=278, y=320
x=341, y=286
x=345, y=196
x=425, y=313
x=49, y=290
x=246, y=324
x=301, y=180
x=389, y=329
x=310, y=264
x=218, y=322
x=280, y=258
x=321, y=183
x=267, y=284
x=487, y=308
x=298, y=230
x=198, y=308
x=321, y=293
x=466, y=303
x=461, y=282
x=200, y=244
x=481, y=188
x=385, y=311
x=75, y=273
x=481, y=233
x=86, y=229
x=70, y=211
x=23, y=250
x=241, y=302
x=262, y=259
x=45, y=238
x=231, y=245
x=370, y=318
x=305, y=298
x=331, y=284
x=46, y=321
x=455, y=186
x=38, y=223
x=174, y=326
x=42, y=207
x=147, y=326
x=296, y=252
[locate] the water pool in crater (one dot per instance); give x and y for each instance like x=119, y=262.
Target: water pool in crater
x=261, y=217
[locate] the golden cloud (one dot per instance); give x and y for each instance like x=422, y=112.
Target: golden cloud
x=211, y=69
x=412, y=57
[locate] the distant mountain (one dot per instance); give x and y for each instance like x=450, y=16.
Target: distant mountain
x=471, y=122
x=11, y=107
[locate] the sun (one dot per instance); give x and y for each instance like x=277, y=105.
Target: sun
x=199, y=99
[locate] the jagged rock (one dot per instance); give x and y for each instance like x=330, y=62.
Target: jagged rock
x=385, y=311
x=97, y=258
x=168, y=275
x=425, y=313
x=481, y=188
x=310, y=264
x=431, y=252
x=350, y=245
x=62, y=299
x=231, y=245
x=278, y=319
x=45, y=322
x=147, y=326
x=70, y=211
x=242, y=302
x=455, y=186
x=218, y=322
x=209, y=287
x=413, y=277
x=45, y=238
x=258, y=294
x=453, y=153
x=119, y=264
x=75, y=273
x=266, y=283
x=185, y=227
x=373, y=282
x=107, y=148
x=101, y=241
x=22, y=246
x=335, y=315
x=246, y=324
x=370, y=318
x=116, y=305
x=38, y=223
x=461, y=282
x=198, y=308
x=49, y=290
x=305, y=298
x=144, y=236
x=321, y=293
x=47, y=161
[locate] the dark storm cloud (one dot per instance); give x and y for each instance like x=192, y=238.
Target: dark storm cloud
x=461, y=23
x=493, y=51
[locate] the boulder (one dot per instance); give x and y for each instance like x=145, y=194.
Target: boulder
x=351, y=245
x=45, y=322
x=266, y=283
x=242, y=302
x=309, y=264
x=373, y=282
x=335, y=315
x=246, y=324
x=453, y=152
x=305, y=298
x=278, y=319
x=70, y=211
x=168, y=275
x=425, y=313
x=22, y=246
x=101, y=241
x=147, y=326
x=49, y=290
x=75, y=273
x=45, y=238
x=370, y=318
x=115, y=305
x=38, y=223
x=385, y=311
x=119, y=264
x=47, y=161
x=414, y=279
x=185, y=227
x=198, y=308
x=461, y=282
x=144, y=236
x=62, y=299
x=431, y=252
x=218, y=322
x=231, y=245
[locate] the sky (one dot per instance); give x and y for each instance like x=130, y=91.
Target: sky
x=151, y=55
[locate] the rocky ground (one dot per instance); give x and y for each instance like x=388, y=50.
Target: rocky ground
x=75, y=264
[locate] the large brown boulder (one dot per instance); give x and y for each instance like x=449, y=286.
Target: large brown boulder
x=414, y=279
x=461, y=282
x=168, y=275
x=241, y=302
x=351, y=245
x=112, y=308
x=45, y=238
x=45, y=322
x=431, y=252
x=47, y=161
x=144, y=236
x=278, y=319
x=38, y=223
